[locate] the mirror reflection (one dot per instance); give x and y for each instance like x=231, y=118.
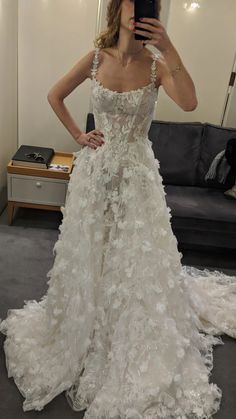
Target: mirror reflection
x=117, y=208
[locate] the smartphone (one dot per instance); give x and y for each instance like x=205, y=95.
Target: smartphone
x=144, y=8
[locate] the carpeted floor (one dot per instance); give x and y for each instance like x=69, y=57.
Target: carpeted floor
x=25, y=258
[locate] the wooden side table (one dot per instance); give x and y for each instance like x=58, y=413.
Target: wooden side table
x=32, y=187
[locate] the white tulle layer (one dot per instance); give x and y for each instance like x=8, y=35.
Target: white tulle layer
x=124, y=329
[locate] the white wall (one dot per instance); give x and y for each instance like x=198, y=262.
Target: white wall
x=53, y=36
x=165, y=10
x=206, y=42
x=8, y=89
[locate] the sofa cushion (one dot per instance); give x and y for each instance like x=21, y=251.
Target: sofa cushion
x=214, y=140
x=177, y=147
x=207, y=235
x=193, y=227
x=200, y=203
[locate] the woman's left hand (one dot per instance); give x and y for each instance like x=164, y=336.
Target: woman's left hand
x=157, y=35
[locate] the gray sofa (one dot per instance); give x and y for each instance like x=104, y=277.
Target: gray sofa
x=203, y=218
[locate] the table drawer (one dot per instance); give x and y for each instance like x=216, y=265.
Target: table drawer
x=38, y=190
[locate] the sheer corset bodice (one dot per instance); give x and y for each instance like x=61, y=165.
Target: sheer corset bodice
x=124, y=115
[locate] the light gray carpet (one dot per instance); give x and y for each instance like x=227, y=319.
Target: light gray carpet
x=25, y=258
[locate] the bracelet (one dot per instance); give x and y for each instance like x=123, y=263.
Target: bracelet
x=176, y=69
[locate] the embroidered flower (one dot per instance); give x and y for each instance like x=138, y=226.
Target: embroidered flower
x=57, y=311
x=98, y=236
x=90, y=219
x=127, y=173
x=144, y=366
x=180, y=352
x=178, y=393
x=177, y=378
x=150, y=175
x=146, y=246
x=122, y=224
x=116, y=303
x=129, y=270
x=170, y=283
x=83, y=202
x=163, y=232
x=165, y=262
x=160, y=307
x=118, y=243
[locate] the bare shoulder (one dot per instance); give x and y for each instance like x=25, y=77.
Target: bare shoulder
x=84, y=64
x=80, y=71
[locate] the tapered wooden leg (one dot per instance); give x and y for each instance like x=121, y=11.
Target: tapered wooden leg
x=10, y=212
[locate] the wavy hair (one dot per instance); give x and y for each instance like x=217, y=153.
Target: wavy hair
x=110, y=36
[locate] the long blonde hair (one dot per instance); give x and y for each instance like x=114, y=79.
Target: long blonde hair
x=110, y=36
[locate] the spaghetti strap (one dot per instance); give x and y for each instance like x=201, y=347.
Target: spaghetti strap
x=154, y=66
x=95, y=62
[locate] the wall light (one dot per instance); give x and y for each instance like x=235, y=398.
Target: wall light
x=190, y=6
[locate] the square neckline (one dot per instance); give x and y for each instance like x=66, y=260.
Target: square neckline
x=99, y=84
x=139, y=89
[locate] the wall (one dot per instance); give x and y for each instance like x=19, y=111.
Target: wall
x=8, y=89
x=53, y=36
x=205, y=40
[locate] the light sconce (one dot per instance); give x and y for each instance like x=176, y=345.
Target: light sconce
x=191, y=6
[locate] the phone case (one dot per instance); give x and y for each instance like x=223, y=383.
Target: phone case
x=143, y=8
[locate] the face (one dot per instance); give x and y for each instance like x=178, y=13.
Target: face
x=127, y=14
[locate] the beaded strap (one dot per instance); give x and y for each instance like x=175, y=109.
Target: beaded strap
x=154, y=67
x=95, y=62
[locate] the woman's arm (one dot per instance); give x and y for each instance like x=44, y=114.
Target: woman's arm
x=57, y=94
x=177, y=83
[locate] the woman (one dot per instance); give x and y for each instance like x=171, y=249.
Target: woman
x=124, y=329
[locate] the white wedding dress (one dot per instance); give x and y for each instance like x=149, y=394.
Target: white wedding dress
x=124, y=329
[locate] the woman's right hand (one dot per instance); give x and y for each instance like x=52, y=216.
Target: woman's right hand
x=95, y=136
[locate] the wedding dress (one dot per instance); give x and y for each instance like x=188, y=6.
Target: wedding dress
x=124, y=329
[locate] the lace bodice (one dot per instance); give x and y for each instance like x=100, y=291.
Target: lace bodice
x=123, y=115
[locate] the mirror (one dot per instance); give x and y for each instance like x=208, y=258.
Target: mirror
x=126, y=293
